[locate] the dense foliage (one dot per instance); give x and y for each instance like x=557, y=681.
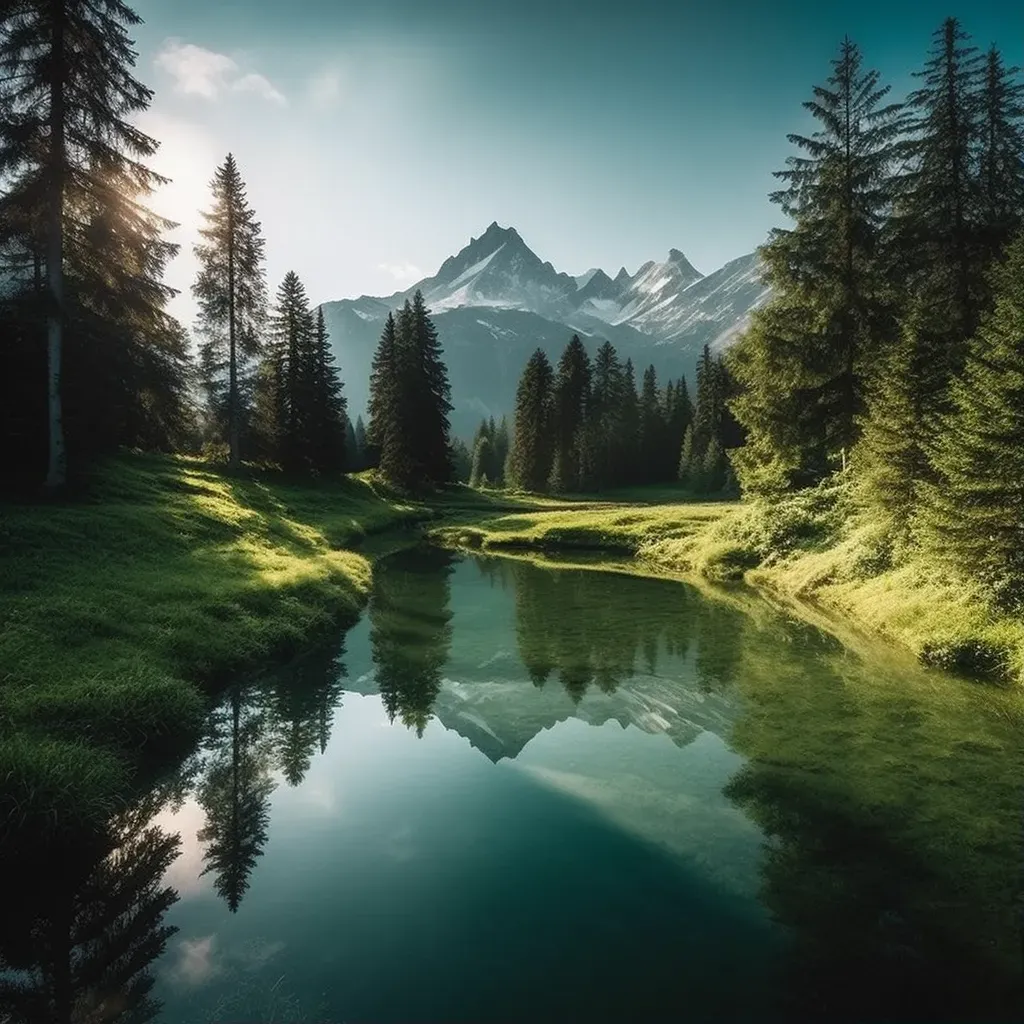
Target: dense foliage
x=890, y=351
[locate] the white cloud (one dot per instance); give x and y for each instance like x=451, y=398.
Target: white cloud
x=402, y=271
x=261, y=87
x=200, y=72
x=325, y=88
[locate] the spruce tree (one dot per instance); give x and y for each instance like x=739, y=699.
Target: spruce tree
x=938, y=213
x=353, y=456
x=502, y=442
x=568, y=410
x=230, y=288
x=383, y=409
x=629, y=426
x=360, y=448
x=688, y=463
x=481, y=475
x=833, y=304
x=292, y=345
x=428, y=398
x=974, y=512
x=650, y=439
x=605, y=416
x=75, y=187
x=328, y=424
x=713, y=466
x=531, y=452
x=1001, y=164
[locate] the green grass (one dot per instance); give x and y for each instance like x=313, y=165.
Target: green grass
x=117, y=612
x=597, y=526
x=808, y=549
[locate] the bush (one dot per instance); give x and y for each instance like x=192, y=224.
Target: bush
x=971, y=656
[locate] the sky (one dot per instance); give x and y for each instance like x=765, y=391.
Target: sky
x=376, y=137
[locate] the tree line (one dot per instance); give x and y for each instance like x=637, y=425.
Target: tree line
x=584, y=425
x=892, y=349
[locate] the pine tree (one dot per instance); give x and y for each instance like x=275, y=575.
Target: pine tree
x=383, y=409
x=937, y=217
x=482, y=472
x=629, y=420
x=605, y=416
x=502, y=443
x=707, y=419
x=328, y=423
x=74, y=193
x=353, y=456
x=292, y=374
x=833, y=307
x=531, y=451
x=688, y=464
x=362, y=455
x=650, y=439
x=568, y=410
x=428, y=398
x=713, y=465
x=974, y=513
x=231, y=291
x=1001, y=163
x=890, y=460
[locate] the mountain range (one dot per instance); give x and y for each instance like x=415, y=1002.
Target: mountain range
x=495, y=301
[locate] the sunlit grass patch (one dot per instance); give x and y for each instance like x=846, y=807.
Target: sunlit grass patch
x=115, y=609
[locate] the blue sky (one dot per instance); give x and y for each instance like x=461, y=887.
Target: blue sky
x=377, y=136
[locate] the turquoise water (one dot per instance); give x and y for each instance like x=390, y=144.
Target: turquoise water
x=519, y=792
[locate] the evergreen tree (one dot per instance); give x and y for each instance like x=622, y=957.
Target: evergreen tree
x=502, y=444
x=384, y=411
x=360, y=448
x=974, y=512
x=650, y=439
x=890, y=458
x=231, y=291
x=531, y=452
x=570, y=391
x=629, y=420
x=605, y=413
x=291, y=375
x=713, y=465
x=462, y=460
x=1002, y=155
x=353, y=456
x=937, y=217
x=812, y=348
x=707, y=420
x=688, y=462
x=482, y=472
x=328, y=422
x=235, y=794
x=429, y=398
x=110, y=360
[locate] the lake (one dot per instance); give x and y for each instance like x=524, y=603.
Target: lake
x=516, y=791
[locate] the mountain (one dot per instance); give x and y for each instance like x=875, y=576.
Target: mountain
x=495, y=301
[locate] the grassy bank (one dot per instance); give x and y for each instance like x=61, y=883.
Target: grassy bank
x=809, y=548
x=586, y=525
x=813, y=547
x=119, y=610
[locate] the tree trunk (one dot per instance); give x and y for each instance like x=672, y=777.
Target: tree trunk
x=236, y=458
x=56, y=474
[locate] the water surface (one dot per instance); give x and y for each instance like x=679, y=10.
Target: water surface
x=517, y=792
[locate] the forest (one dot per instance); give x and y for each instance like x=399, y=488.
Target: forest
x=889, y=355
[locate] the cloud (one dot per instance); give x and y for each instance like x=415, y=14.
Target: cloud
x=200, y=72
x=325, y=88
x=401, y=271
x=261, y=87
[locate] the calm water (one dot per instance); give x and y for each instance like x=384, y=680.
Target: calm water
x=524, y=793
